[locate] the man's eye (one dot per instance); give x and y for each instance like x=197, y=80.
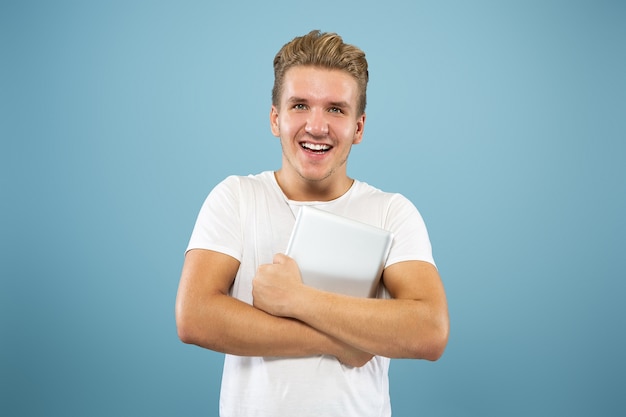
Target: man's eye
x=335, y=110
x=299, y=107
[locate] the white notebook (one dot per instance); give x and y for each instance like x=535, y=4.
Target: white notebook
x=338, y=254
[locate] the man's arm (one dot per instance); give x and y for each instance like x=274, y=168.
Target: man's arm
x=414, y=324
x=208, y=317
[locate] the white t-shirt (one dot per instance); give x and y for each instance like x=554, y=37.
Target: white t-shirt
x=250, y=219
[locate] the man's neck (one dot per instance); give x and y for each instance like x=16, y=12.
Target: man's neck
x=303, y=190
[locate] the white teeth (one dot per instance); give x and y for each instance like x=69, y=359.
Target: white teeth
x=316, y=146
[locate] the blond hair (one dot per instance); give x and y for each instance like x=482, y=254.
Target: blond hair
x=325, y=50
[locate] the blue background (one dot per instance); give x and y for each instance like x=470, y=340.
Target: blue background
x=503, y=121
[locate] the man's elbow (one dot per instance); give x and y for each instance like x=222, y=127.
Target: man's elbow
x=433, y=347
x=184, y=326
x=439, y=334
x=195, y=325
x=184, y=334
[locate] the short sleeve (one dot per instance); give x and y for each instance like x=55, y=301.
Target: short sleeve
x=218, y=225
x=411, y=241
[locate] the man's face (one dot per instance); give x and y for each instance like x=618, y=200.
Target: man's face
x=317, y=123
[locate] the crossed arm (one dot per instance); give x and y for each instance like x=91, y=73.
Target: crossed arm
x=291, y=319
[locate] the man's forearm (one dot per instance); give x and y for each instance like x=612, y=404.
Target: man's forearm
x=412, y=325
x=227, y=325
x=393, y=328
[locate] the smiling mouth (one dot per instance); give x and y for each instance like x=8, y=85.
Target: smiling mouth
x=315, y=147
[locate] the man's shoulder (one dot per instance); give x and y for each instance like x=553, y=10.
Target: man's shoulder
x=261, y=179
x=363, y=190
x=249, y=188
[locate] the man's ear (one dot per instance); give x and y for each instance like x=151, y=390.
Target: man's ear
x=274, y=121
x=358, y=133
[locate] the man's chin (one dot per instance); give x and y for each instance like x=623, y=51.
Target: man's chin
x=315, y=176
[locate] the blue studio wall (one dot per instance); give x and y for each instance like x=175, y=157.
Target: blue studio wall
x=503, y=121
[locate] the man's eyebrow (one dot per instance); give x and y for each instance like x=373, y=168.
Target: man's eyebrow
x=340, y=104
x=295, y=99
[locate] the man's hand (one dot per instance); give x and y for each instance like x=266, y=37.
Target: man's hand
x=278, y=290
x=276, y=286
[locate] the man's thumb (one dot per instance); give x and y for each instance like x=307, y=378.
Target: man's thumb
x=281, y=258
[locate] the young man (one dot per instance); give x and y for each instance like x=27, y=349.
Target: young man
x=292, y=350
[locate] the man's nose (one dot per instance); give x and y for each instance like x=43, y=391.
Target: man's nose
x=316, y=125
